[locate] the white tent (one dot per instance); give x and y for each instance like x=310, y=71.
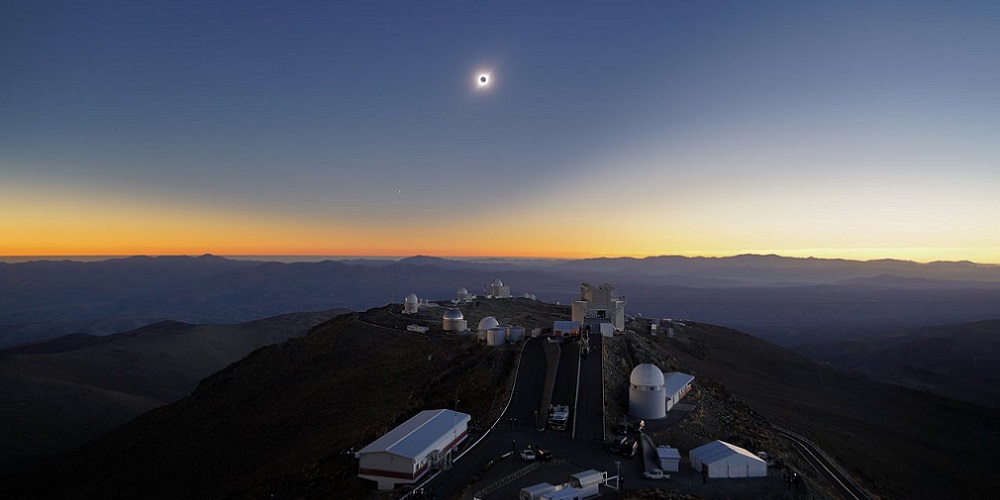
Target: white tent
x=726, y=460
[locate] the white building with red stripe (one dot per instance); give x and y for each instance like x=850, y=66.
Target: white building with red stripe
x=422, y=443
x=676, y=385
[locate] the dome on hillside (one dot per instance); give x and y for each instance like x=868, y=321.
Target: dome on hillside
x=453, y=313
x=462, y=291
x=411, y=304
x=488, y=322
x=497, y=282
x=647, y=375
x=647, y=394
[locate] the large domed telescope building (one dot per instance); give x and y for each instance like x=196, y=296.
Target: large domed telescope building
x=498, y=290
x=485, y=325
x=411, y=304
x=646, y=394
x=454, y=321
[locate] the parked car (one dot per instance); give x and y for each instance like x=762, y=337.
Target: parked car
x=527, y=455
x=655, y=474
x=543, y=455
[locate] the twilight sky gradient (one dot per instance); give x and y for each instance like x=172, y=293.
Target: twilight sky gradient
x=831, y=129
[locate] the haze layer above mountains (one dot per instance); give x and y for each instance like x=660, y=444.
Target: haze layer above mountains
x=786, y=300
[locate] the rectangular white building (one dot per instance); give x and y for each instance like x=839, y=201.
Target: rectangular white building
x=676, y=385
x=670, y=458
x=409, y=451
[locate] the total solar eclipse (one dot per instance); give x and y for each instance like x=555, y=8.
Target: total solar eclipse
x=484, y=79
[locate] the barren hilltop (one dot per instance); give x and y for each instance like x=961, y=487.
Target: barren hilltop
x=284, y=422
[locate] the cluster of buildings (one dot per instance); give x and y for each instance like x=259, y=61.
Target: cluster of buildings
x=581, y=485
x=428, y=441
x=489, y=329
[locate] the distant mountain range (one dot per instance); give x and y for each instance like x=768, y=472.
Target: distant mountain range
x=788, y=300
x=62, y=392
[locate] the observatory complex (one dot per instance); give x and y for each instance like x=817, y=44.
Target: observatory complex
x=599, y=305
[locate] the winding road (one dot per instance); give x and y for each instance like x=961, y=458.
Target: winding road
x=840, y=479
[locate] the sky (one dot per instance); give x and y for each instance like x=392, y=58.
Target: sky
x=831, y=129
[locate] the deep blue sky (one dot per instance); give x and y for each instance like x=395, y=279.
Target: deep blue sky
x=865, y=129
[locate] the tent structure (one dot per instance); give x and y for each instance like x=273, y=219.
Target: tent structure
x=720, y=459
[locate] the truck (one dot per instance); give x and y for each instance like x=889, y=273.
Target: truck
x=655, y=474
x=558, y=417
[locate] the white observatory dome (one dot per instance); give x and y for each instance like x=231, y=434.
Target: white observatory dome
x=647, y=393
x=487, y=323
x=647, y=375
x=497, y=282
x=453, y=314
x=462, y=292
x=411, y=304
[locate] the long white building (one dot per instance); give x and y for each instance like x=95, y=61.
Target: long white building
x=721, y=459
x=676, y=385
x=409, y=451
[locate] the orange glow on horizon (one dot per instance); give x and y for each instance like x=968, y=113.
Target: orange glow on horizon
x=59, y=223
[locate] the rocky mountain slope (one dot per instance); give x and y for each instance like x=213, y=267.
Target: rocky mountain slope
x=889, y=437
x=62, y=392
x=282, y=422
x=958, y=361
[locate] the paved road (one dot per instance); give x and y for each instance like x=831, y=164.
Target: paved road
x=531, y=374
x=590, y=400
x=526, y=399
x=564, y=391
x=842, y=481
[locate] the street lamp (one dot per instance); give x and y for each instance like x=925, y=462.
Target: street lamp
x=618, y=475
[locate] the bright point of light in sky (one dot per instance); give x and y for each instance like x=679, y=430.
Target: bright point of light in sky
x=484, y=80
x=855, y=129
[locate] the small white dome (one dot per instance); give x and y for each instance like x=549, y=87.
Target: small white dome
x=462, y=291
x=453, y=313
x=497, y=282
x=488, y=322
x=411, y=299
x=647, y=375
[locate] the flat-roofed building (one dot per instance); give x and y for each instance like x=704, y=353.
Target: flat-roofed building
x=676, y=385
x=405, y=454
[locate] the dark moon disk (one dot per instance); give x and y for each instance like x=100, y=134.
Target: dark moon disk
x=482, y=79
